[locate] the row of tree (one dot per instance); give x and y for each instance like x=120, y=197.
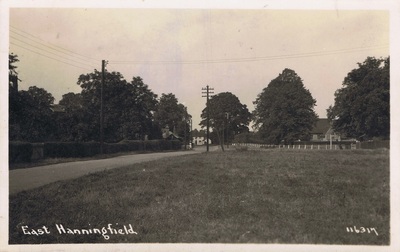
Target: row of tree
x=284, y=110
x=131, y=111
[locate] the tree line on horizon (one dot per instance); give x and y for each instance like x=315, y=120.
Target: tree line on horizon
x=284, y=110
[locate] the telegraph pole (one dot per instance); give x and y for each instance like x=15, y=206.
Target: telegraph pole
x=103, y=65
x=207, y=91
x=227, y=128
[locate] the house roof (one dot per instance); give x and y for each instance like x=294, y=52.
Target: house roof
x=200, y=133
x=321, y=127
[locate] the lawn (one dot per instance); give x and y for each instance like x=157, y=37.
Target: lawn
x=268, y=196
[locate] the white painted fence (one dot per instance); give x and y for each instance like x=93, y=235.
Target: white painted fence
x=299, y=146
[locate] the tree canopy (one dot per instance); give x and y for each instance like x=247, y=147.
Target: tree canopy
x=173, y=114
x=30, y=115
x=362, y=105
x=284, y=110
x=12, y=59
x=34, y=120
x=13, y=101
x=227, y=115
x=127, y=106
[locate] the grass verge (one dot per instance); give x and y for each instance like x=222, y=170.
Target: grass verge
x=271, y=196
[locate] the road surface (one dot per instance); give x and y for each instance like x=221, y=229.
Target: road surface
x=29, y=178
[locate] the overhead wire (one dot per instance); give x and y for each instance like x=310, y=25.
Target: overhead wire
x=49, y=50
x=21, y=41
x=50, y=57
x=77, y=56
x=252, y=59
x=51, y=46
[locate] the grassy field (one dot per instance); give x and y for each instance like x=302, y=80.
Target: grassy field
x=269, y=196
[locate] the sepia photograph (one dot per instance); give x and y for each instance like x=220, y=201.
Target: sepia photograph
x=172, y=127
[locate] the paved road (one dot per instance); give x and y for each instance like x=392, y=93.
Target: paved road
x=29, y=178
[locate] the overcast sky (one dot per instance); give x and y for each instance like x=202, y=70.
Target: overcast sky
x=180, y=51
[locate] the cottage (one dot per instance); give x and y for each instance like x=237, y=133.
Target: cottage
x=323, y=131
x=199, y=137
x=169, y=135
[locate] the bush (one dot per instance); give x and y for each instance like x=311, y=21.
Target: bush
x=19, y=152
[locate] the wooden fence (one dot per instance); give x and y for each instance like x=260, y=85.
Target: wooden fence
x=327, y=146
x=385, y=144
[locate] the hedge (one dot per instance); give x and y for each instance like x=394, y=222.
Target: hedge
x=19, y=152
x=67, y=150
x=22, y=152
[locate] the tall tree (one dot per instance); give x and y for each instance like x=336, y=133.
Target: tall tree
x=284, y=110
x=228, y=116
x=71, y=124
x=362, y=105
x=12, y=72
x=145, y=104
x=35, y=119
x=127, y=106
x=30, y=115
x=173, y=114
x=13, y=100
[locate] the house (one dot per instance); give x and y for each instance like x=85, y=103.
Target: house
x=323, y=131
x=199, y=137
x=200, y=140
x=169, y=135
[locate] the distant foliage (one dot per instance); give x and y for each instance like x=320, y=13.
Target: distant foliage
x=284, y=110
x=362, y=105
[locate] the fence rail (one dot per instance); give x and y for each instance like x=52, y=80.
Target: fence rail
x=385, y=144
x=326, y=146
